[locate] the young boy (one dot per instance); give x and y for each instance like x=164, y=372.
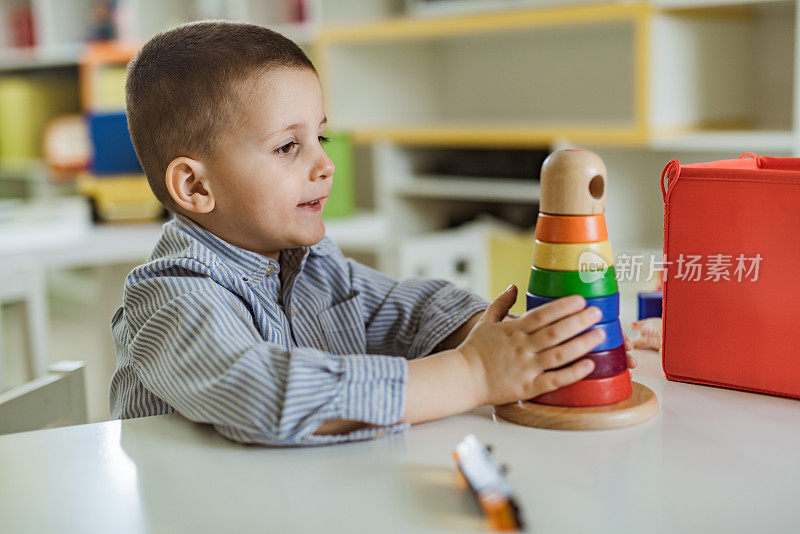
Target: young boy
x=247, y=317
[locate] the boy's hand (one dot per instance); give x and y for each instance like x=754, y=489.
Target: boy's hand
x=628, y=349
x=509, y=357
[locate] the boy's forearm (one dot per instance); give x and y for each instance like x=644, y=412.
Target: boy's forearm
x=440, y=385
x=460, y=334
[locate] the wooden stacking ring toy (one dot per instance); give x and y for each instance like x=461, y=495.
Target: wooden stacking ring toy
x=590, y=392
x=571, y=228
x=562, y=283
x=639, y=407
x=606, y=363
x=608, y=305
x=572, y=256
x=613, y=331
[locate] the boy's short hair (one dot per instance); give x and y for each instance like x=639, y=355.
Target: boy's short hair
x=184, y=86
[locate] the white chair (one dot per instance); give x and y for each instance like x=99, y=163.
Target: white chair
x=25, y=283
x=56, y=399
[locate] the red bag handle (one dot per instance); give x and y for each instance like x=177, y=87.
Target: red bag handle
x=668, y=177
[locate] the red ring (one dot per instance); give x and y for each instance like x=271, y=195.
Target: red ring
x=590, y=392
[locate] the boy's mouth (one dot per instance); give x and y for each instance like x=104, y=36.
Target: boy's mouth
x=312, y=204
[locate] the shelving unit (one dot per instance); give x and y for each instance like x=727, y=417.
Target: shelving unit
x=640, y=82
x=62, y=30
x=429, y=67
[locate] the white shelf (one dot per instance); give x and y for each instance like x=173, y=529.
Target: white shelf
x=301, y=32
x=768, y=141
x=471, y=188
x=40, y=57
x=361, y=232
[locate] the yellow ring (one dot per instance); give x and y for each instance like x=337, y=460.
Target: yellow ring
x=572, y=256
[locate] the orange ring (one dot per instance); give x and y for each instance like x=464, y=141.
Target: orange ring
x=571, y=228
x=590, y=392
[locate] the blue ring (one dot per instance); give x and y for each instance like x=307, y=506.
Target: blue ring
x=613, y=330
x=608, y=305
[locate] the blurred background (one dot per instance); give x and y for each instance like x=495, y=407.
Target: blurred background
x=440, y=112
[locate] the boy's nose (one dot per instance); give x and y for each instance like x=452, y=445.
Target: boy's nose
x=324, y=168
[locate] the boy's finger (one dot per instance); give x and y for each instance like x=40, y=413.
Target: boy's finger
x=561, y=355
x=551, y=312
x=499, y=307
x=565, y=329
x=631, y=361
x=552, y=380
x=628, y=344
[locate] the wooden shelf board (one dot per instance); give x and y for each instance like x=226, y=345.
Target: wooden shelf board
x=471, y=188
x=506, y=136
x=409, y=28
x=782, y=141
x=721, y=5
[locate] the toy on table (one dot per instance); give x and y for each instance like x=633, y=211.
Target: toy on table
x=572, y=255
x=647, y=330
x=487, y=482
x=649, y=304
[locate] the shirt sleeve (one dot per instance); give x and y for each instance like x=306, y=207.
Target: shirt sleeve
x=201, y=353
x=411, y=317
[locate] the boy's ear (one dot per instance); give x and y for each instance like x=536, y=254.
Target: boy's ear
x=188, y=185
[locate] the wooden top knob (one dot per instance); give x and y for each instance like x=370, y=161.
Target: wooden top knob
x=573, y=183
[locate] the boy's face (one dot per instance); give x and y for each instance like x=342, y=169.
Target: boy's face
x=270, y=176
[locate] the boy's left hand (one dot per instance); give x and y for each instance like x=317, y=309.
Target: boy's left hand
x=628, y=348
x=628, y=344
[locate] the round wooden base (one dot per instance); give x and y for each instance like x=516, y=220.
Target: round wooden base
x=639, y=407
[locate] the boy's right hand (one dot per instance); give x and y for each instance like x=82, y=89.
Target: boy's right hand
x=509, y=358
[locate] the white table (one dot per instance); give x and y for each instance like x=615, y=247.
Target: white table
x=97, y=246
x=102, y=247
x=713, y=460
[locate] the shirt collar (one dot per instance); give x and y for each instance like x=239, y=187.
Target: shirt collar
x=245, y=262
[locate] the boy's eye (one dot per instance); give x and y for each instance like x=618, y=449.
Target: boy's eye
x=323, y=139
x=285, y=149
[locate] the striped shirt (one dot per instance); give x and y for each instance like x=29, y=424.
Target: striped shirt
x=266, y=351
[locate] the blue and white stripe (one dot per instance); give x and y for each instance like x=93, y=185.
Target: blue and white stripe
x=266, y=351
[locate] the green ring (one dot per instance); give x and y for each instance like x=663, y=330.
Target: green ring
x=563, y=283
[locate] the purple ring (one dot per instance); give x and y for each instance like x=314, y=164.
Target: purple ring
x=606, y=362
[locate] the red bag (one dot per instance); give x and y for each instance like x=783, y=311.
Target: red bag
x=742, y=332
